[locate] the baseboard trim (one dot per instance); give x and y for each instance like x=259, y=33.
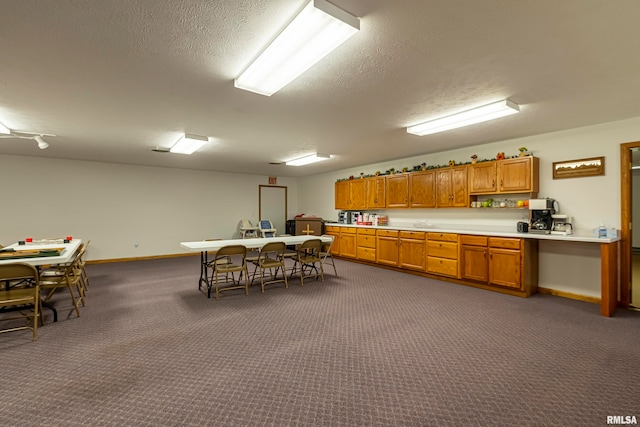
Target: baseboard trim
x=570, y=295
x=144, y=258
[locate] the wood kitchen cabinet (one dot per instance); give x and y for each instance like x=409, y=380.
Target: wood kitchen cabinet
x=412, y=250
x=351, y=194
x=482, y=178
x=474, y=258
x=376, y=192
x=517, y=175
x=452, y=187
x=405, y=249
x=397, y=191
x=387, y=247
x=366, y=244
x=422, y=189
x=442, y=254
x=348, y=242
x=505, y=262
x=334, y=231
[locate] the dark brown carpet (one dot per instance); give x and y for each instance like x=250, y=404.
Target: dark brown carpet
x=372, y=347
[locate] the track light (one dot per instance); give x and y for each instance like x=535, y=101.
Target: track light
x=4, y=129
x=42, y=144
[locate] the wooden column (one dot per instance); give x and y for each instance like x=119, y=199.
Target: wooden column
x=609, y=278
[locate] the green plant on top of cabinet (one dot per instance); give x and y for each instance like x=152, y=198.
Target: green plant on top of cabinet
x=422, y=189
x=451, y=187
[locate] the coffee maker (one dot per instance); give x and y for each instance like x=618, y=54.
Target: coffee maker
x=541, y=213
x=561, y=225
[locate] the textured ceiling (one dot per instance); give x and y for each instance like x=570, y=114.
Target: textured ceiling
x=113, y=79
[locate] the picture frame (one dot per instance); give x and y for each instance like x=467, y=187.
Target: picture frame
x=578, y=168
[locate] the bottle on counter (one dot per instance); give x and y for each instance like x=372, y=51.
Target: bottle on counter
x=602, y=231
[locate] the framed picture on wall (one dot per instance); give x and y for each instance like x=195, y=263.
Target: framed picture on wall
x=578, y=168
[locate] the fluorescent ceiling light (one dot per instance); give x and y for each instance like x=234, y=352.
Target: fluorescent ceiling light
x=189, y=143
x=4, y=129
x=317, y=30
x=466, y=118
x=312, y=158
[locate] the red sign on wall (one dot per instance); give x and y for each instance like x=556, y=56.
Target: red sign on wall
x=273, y=180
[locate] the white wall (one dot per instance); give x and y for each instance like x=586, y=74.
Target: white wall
x=573, y=268
x=116, y=205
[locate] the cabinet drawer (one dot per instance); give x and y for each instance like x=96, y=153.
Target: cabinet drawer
x=366, y=241
x=503, y=242
x=445, y=267
x=348, y=230
x=420, y=235
x=388, y=233
x=332, y=229
x=444, y=237
x=367, y=231
x=473, y=240
x=367, y=254
x=442, y=249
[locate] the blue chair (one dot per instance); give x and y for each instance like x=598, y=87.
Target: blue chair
x=266, y=228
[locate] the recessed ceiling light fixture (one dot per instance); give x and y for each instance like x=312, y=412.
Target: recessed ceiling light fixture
x=189, y=143
x=466, y=118
x=305, y=160
x=317, y=30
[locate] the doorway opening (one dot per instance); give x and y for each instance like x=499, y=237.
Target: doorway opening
x=272, y=205
x=630, y=225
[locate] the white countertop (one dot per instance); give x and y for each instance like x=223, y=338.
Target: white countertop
x=483, y=230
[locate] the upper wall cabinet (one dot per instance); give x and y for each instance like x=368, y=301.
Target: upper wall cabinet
x=350, y=194
x=398, y=191
x=519, y=175
x=422, y=189
x=376, y=192
x=451, y=187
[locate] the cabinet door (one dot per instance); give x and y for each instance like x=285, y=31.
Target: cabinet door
x=397, y=191
x=342, y=195
x=335, y=248
x=482, y=178
x=444, y=188
x=358, y=194
x=348, y=245
x=412, y=254
x=474, y=263
x=387, y=250
x=376, y=192
x=459, y=184
x=422, y=187
x=504, y=267
x=514, y=175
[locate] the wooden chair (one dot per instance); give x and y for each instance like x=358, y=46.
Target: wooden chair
x=325, y=253
x=229, y=260
x=271, y=258
x=309, y=260
x=23, y=299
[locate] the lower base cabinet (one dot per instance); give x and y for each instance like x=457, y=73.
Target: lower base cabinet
x=442, y=254
x=506, y=263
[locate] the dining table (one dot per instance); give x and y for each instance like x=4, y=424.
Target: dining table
x=253, y=244
x=41, y=253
